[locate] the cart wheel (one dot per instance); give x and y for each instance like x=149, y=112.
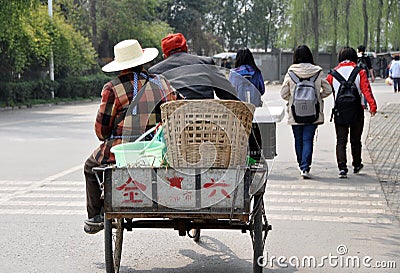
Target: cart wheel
x=195, y=234
x=113, y=244
x=259, y=232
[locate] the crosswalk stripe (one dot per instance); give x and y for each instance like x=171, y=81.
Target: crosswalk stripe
x=323, y=187
x=325, y=194
x=46, y=203
x=41, y=212
x=325, y=201
x=52, y=183
x=352, y=219
x=41, y=195
x=45, y=189
x=325, y=209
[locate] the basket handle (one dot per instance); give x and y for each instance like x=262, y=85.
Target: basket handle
x=154, y=138
x=147, y=132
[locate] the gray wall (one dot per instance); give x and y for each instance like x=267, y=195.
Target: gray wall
x=275, y=65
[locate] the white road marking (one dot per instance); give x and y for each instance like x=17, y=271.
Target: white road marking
x=37, y=184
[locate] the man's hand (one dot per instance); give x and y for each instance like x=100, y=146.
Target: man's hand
x=372, y=113
x=372, y=75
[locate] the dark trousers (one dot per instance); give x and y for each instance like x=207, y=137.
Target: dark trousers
x=396, y=84
x=342, y=132
x=93, y=191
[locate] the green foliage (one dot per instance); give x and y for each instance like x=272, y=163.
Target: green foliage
x=29, y=37
x=120, y=20
x=348, y=28
x=81, y=87
x=28, y=92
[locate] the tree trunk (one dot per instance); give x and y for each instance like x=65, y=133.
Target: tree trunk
x=365, y=13
x=335, y=31
x=347, y=22
x=315, y=19
x=93, y=23
x=378, y=26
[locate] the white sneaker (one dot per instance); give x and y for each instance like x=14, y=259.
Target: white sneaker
x=305, y=175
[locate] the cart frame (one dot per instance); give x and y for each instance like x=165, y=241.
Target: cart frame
x=249, y=217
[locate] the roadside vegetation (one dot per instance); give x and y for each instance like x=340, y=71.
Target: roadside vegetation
x=81, y=34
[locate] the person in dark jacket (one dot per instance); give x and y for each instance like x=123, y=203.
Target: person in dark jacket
x=194, y=77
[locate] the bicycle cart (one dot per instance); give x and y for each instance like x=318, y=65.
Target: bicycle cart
x=153, y=198
x=192, y=194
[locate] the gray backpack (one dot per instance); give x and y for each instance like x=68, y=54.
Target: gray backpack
x=305, y=107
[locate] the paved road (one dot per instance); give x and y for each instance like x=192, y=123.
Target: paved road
x=43, y=206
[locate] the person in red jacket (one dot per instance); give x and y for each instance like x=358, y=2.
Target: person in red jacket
x=347, y=58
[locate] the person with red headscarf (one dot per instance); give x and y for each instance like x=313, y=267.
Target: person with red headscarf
x=194, y=77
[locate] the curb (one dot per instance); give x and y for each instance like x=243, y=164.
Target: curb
x=22, y=107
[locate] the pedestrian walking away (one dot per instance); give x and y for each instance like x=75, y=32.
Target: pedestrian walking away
x=129, y=86
x=304, y=88
x=364, y=62
x=246, y=67
x=348, y=111
x=394, y=73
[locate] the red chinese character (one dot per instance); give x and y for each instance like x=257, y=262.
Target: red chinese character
x=214, y=184
x=175, y=182
x=131, y=190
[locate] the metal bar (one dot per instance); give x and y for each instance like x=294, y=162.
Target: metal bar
x=177, y=215
x=198, y=188
x=154, y=188
x=186, y=225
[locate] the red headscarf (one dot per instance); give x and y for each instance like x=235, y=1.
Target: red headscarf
x=173, y=43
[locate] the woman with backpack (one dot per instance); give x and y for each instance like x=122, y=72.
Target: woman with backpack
x=304, y=87
x=245, y=67
x=349, y=116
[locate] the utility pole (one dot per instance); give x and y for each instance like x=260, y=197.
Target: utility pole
x=51, y=70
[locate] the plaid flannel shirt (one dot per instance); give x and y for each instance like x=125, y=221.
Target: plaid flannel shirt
x=115, y=98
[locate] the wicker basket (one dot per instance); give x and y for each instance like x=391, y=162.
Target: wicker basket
x=207, y=133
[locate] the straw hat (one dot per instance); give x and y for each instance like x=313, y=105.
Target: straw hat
x=129, y=53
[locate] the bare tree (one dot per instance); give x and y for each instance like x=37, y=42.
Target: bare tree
x=365, y=14
x=347, y=24
x=378, y=26
x=315, y=23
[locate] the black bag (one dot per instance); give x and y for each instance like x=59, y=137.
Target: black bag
x=363, y=64
x=347, y=109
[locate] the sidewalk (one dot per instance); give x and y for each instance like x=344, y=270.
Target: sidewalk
x=325, y=215
x=383, y=144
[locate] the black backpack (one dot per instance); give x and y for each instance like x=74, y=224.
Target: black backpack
x=347, y=109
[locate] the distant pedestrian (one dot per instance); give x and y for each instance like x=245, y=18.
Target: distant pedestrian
x=245, y=67
x=347, y=62
x=382, y=63
x=226, y=63
x=304, y=68
x=364, y=62
x=394, y=73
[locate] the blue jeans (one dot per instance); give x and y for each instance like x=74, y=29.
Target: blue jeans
x=303, y=144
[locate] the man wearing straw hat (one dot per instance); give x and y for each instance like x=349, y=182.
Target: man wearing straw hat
x=116, y=96
x=195, y=77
